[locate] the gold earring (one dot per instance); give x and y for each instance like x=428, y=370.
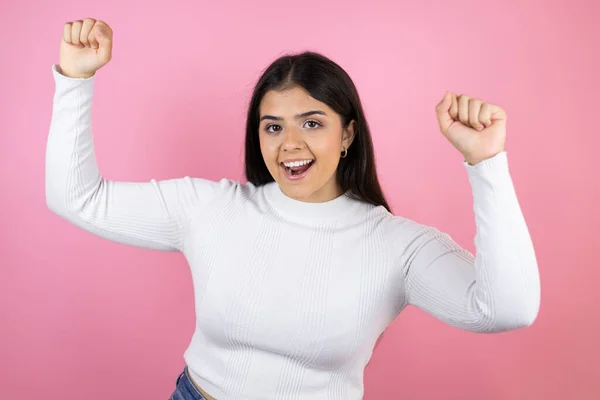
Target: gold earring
x=344, y=153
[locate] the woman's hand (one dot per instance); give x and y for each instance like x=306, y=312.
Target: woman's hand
x=85, y=47
x=477, y=129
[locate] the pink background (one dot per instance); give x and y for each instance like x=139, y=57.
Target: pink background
x=84, y=318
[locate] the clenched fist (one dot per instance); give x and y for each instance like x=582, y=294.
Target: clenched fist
x=477, y=129
x=86, y=46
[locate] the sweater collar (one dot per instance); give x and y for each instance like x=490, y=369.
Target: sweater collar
x=286, y=205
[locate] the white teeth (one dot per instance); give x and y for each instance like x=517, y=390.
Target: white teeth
x=296, y=163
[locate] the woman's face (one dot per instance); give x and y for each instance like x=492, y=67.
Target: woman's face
x=301, y=140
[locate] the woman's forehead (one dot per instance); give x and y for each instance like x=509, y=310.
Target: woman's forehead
x=290, y=102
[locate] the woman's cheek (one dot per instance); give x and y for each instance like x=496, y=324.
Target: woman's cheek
x=328, y=149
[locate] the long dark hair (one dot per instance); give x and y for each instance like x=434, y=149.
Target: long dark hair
x=327, y=82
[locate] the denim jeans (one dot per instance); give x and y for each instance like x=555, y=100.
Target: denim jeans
x=185, y=389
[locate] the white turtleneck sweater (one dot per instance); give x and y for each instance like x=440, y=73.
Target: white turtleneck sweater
x=291, y=297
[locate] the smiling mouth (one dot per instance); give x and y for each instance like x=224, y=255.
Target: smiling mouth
x=299, y=172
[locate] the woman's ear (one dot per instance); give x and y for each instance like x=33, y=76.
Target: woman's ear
x=349, y=134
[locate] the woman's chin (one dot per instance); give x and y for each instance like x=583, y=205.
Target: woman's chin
x=295, y=190
x=305, y=189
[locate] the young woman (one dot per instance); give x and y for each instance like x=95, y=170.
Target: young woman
x=299, y=271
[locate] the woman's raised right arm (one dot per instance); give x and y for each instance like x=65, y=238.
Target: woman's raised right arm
x=153, y=215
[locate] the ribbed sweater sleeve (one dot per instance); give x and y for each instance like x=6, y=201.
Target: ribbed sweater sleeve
x=498, y=289
x=152, y=215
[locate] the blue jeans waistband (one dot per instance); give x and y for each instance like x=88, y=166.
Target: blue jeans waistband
x=185, y=388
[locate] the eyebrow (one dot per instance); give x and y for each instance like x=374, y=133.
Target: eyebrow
x=298, y=116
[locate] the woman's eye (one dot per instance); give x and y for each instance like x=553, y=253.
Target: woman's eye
x=273, y=128
x=312, y=124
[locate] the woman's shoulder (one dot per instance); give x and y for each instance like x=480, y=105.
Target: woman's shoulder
x=392, y=223
x=223, y=187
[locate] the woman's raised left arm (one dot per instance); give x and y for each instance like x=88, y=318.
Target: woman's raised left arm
x=499, y=288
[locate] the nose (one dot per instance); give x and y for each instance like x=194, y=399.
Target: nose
x=292, y=139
